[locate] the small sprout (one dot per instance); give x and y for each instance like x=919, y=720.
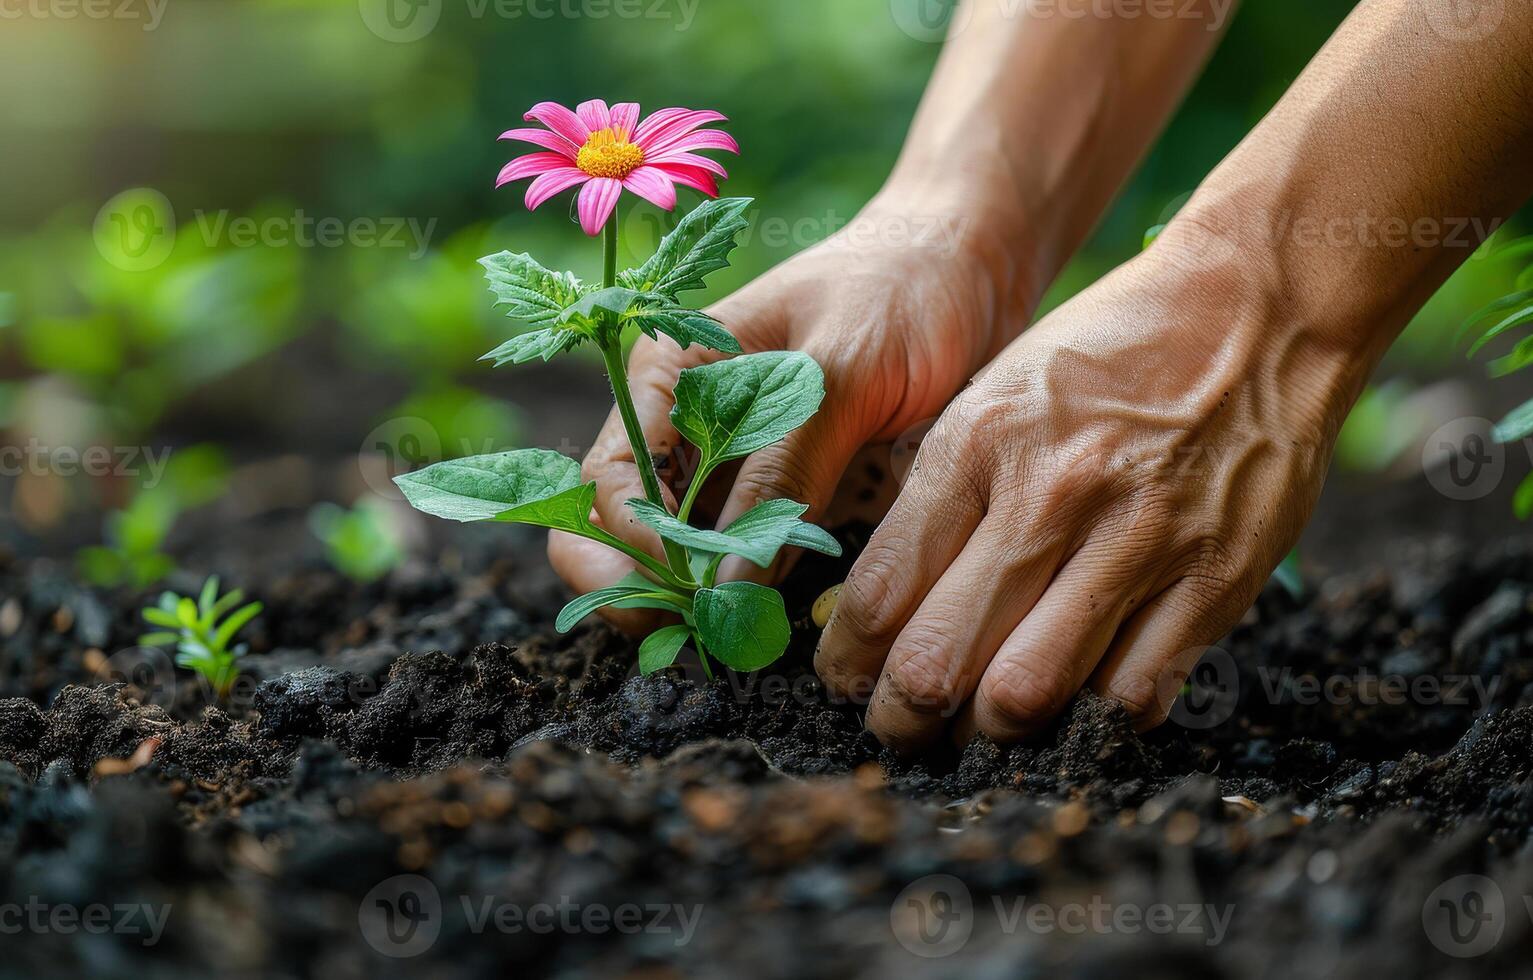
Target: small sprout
x=1511, y=317
x=825, y=605
x=202, y=631
x=361, y=543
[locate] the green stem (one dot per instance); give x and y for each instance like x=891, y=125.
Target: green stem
x=611, y=345
x=696, y=485
x=609, y=253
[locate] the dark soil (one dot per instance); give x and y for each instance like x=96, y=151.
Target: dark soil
x=434, y=725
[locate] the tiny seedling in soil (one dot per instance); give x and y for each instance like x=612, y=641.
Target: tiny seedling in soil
x=134, y=538
x=202, y=631
x=361, y=543
x=727, y=409
x=1513, y=312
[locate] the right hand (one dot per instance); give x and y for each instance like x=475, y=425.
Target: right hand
x=898, y=327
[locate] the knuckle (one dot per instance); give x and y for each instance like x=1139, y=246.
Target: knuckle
x=1143, y=696
x=921, y=679
x=776, y=475
x=1021, y=694
x=870, y=599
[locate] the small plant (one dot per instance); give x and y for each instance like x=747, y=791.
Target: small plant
x=202, y=631
x=1511, y=313
x=133, y=552
x=361, y=543
x=727, y=409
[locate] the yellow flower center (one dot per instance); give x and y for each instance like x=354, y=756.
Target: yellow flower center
x=608, y=153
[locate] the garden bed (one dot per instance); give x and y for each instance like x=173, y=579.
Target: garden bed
x=551, y=811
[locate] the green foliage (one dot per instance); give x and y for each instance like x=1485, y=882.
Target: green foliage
x=1511, y=314
x=202, y=631
x=361, y=543
x=133, y=554
x=727, y=409
x=700, y=245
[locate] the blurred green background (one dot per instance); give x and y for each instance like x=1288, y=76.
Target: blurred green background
x=289, y=111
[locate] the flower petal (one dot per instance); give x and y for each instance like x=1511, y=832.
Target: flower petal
x=625, y=116
x=597, y=199
x=562, y=121
x=691, y=160
x=691, y=177
x=530, y=165
x=552, y=182
x=652, y=184
x=548, y=139
x=706, y=139
x=679, y=124
x=657, y=119
x=594, y=114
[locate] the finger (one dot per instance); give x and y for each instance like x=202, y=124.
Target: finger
x=1051, y=654
x=936, y=663
x=925, y=531
x=586, y=566
x=804, y=467
x=1157, y=648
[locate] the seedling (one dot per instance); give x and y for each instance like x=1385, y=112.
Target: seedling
x=360, y=543
x=133, y=551
x=202, y=631
x=1506, y=315
x=727, y=409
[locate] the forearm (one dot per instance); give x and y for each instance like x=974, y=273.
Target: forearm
x=1396, y=152
x=1035, y=116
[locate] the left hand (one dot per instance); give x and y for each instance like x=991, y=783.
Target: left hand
x=1105, y=500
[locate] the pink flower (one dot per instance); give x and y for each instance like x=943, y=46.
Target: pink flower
x=609, y=150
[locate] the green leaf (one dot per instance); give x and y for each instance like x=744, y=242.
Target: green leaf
x=1517, y=425
x=611, y=303
x=582, y=606
x=528, y=486
x=1504, y=303
x=158, y=638
x=1151, y=235
x=744, y=625
x=732, y=408
x=160, y=617
x=233, y=624
x=1522, y=316
x=228, y=602
x=699, y=245
x=1520, y=357
x=1522, y=500
x=186, y=612
x=529, y=291
x=687, y=327
x=655, y=596
x=660, y=648
x=206, y=599
x=1515, y=249
x=544, y=344
x=757, y=535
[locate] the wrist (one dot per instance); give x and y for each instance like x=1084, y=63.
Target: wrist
x=969, y=234
x=1297, y=352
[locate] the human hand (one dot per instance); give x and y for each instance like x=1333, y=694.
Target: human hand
x=898, y=318
x=1108, y=498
